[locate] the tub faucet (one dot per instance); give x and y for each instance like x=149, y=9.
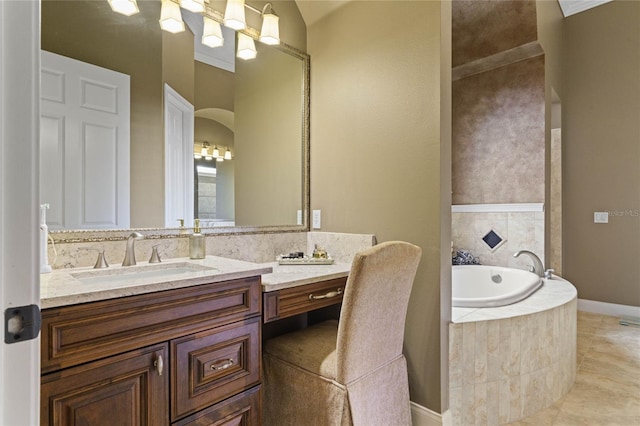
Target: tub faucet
x=538, y=268
x=130, y=253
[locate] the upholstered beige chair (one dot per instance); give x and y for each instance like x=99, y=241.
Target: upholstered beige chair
x=350, y=372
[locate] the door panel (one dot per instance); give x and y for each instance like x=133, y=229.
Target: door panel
x=86, y=184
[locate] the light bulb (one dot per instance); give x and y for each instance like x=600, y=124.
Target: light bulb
x=270, y=32
x=212, y=33
x=170, y=17
x=246, y=47
x=216, y=152
x=195, y=6
x=234, y=15
x=125, y=7
x=227, y=155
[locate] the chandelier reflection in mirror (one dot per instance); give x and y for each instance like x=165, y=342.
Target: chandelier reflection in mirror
x=203, y=150
x=233, y=17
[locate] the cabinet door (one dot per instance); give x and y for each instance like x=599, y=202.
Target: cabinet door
x=128, y=389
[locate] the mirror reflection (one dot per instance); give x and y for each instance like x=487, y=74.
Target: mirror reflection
x=160, y=166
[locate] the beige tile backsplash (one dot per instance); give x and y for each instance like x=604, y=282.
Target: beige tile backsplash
x=521, y=230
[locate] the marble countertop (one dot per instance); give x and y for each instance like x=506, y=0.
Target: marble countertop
x=553, y=293
x=286, y=276
x=79, y=285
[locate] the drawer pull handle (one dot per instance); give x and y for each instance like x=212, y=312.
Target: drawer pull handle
x=329, y=295
x=222, y=365
x=159, y=364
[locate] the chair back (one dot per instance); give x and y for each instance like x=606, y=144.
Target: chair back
x=374, y=308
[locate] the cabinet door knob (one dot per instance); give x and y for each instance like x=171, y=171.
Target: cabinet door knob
x=159, y=364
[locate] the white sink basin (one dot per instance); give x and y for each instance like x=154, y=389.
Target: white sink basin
x=170, y=271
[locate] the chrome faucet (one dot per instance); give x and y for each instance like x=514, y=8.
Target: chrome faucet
x=130, y=253
x=537, y=268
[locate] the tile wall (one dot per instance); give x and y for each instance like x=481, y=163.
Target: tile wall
x=520, y=230
x=507, y=369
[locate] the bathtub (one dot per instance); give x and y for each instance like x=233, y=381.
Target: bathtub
x=482, y=286
x=510, y=362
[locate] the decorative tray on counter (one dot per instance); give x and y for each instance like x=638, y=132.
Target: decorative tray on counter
x=303, y=260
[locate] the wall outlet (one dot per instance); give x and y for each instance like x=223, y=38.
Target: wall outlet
x=316, y=219
x=600, y=217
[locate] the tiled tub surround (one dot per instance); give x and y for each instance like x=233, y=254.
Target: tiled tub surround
x=510, y=362
x=257, y=248
x=520, y=230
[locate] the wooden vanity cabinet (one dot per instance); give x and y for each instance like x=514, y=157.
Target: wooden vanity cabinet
x=279, y=304
x=181, y=356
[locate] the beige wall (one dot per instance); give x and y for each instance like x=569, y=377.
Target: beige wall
x=376, y=149
x=484, y=28
x=601, y=139
x=498, y=135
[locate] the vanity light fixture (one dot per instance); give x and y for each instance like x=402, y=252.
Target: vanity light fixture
x=195, y=6
x=212, y=33
x=234, y=15
x=246, y=47
x=201, y=150
x=170, y=17
x=125, y=7
x=270, y=32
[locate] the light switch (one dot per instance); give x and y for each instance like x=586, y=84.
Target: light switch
x=316, y=219
x=600, y=217
x=299, y=217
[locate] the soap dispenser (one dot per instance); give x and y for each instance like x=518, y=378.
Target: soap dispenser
x=44, y=237
x=197, y=246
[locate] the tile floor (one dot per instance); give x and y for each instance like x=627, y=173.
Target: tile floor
x=607, y=387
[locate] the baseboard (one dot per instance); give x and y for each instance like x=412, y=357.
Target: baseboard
x=611, y=309
x=422, y=416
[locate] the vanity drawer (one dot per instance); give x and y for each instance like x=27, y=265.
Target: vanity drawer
x=243, y=409
x=296, y=300
x=75, y=334
x=212, y=365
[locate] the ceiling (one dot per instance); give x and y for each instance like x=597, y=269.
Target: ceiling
x=314, y=10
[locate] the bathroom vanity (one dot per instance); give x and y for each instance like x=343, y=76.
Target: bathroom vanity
x=180, y=347
x=179, y=352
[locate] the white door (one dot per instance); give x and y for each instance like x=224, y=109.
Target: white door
x=178, y=158
x=19, y=264
x=84, y=144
